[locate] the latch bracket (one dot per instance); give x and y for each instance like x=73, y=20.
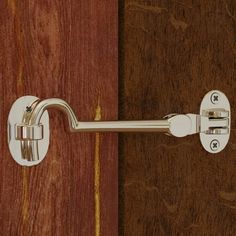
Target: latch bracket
x=215, y=120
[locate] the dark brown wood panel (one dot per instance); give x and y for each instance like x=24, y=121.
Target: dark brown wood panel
x=173, y=53
x=65, y=49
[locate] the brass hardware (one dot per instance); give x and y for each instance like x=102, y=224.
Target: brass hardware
x=28, y=125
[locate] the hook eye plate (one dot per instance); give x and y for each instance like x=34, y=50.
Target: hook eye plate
x=215, y=105
x=37, y=148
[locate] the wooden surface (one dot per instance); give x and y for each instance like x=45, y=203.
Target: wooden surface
x=173, y=52
x=65, y=49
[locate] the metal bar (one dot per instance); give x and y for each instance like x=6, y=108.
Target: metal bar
x=40, y=106
x=123, y=126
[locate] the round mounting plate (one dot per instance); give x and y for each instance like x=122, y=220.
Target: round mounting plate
x=215, y=100
x=15, y=117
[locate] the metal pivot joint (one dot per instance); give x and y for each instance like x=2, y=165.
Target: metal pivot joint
x=28, y=125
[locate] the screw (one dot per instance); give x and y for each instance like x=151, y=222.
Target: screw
x=215, y=98
x=215, y=144
x=28, y=109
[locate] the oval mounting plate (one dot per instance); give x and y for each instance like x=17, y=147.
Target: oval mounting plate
x=15, y=117
x=213, y=101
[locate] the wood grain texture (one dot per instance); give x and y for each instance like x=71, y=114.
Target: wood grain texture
x=173, y=53
x=65, y=49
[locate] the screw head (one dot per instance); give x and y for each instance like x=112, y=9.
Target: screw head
x=28, y=109
x=215, y=144
x=215, y=98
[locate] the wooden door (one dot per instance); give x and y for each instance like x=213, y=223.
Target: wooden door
x=65, y=49
x=173, y=53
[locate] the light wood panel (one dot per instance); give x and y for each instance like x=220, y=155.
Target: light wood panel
x=65, y=49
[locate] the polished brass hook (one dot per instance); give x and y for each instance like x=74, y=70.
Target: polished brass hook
x=28, y=125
